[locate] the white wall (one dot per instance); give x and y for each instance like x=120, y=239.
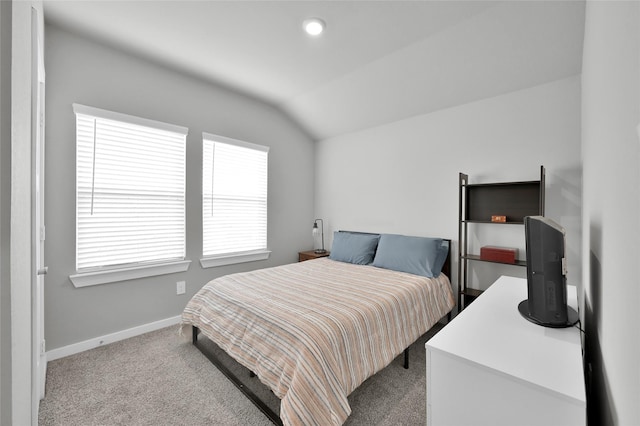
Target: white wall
x=5, y=210
x=403, y=177
x=79, y=70
x=611, y=162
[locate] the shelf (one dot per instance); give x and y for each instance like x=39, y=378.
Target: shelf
x=477, y=258
x=493, y=184
x=493, y=223
x=468, y=295
x=478, y=202
x=513, y=200
x=472, y=292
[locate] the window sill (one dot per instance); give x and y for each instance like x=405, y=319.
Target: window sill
x=86, y=279
x=230, y=259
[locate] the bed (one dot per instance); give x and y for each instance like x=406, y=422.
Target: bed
x=313, y=331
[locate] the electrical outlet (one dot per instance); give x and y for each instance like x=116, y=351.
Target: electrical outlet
x=181, y=287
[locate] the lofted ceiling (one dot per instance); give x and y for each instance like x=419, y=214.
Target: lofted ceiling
x=377, y=61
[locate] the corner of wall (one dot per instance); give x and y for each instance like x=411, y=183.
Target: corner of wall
x=5, y=202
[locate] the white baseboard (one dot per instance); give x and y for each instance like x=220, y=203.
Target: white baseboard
x=110, y=338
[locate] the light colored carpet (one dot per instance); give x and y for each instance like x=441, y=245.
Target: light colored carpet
x=159, y=378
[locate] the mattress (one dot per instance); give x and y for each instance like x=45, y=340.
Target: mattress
x=314, y=331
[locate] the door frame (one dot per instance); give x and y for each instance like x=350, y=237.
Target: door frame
x=23, y=396
x=39, y=359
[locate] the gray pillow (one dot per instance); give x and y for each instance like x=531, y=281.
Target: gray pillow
x=415, y=255
x=354, y=247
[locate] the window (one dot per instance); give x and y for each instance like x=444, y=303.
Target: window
x=234, y=201
x=130, y=192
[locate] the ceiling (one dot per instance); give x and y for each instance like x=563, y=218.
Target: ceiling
x=377, y=61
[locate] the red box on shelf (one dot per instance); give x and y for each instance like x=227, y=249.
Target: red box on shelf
x=499, y=254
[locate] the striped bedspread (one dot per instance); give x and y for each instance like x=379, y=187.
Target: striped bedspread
x=314, y=331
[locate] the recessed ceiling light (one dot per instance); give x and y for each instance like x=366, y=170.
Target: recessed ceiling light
x=313, y=26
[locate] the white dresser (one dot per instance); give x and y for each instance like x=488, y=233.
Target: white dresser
x=490, y=366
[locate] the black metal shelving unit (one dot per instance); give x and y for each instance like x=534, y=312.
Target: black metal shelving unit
x=477, y=203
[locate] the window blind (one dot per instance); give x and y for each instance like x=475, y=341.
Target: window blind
x=234, y=196
x=130, y=189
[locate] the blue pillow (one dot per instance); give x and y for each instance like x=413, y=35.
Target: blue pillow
x=415, y=255
x=354, y=247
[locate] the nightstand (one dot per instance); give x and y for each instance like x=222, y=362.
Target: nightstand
x=311, y=254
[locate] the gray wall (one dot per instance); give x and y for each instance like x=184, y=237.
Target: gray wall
x=406, y=173
x=611, y=158
x=5, y=210
x=79, y=70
